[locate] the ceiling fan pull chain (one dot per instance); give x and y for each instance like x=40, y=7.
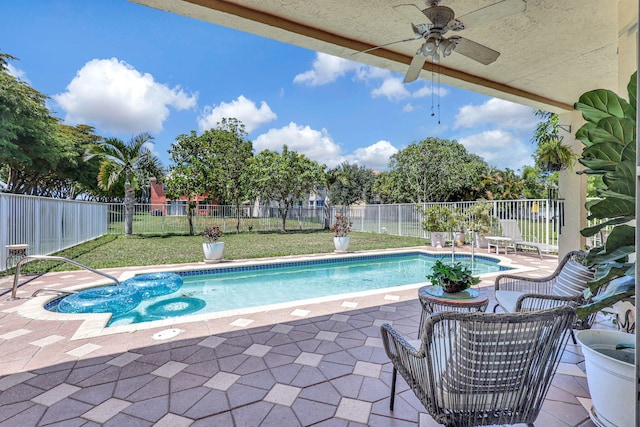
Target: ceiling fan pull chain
x=438, y=93
x=433, y=78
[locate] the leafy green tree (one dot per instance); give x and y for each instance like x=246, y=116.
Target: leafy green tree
x=28, y=143
x=120, y=162
x=285, y=178
x=435, y=170
x=190, y=174
x=215, y=164
x=535, y=182
x=385, y=189
x=351, y=184
x=231, y=152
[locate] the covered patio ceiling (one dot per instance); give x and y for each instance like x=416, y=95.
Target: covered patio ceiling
x=549, y=54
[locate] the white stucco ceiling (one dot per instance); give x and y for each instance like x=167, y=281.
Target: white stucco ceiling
x=550, y=54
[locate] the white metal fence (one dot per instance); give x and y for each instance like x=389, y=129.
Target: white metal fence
x=540, y=219
x=50, y=225
x=172, y=218
x=47, y=225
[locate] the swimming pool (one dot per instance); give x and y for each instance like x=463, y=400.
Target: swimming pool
x=228, y=288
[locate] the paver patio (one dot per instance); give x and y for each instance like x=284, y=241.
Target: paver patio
x=318, y=364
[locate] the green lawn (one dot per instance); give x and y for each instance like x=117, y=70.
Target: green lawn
x=118, y=251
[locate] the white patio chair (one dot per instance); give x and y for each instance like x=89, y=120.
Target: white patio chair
x=512, y=238
x=473, y=369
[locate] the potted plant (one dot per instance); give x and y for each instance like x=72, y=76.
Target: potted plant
x=481, y=222
x=341, y=228
x=452, y=278
x=609, y=137
x=440, y=221
x=211, y=247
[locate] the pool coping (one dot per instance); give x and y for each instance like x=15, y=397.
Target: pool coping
x=95, y=324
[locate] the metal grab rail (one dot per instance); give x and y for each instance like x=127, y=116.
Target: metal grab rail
x=58, y=291
x=14, y=289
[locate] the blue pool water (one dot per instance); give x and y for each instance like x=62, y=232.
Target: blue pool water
x=231, y=288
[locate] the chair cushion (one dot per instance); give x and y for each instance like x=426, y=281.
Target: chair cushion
x=572, y=280
x=507, y=299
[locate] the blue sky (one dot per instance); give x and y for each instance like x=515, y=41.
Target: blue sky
x=125, y=68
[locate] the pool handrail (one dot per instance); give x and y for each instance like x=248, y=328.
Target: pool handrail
x=14, y=289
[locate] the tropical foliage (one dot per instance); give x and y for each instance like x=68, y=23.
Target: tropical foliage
x=342, y=226
x=212, y=234
x=452, y=277
x=122, y=164
x=609, y=137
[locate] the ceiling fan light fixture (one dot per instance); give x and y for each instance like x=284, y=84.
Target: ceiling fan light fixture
x=430, y=46
x=446, y=47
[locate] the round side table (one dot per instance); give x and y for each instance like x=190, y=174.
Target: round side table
x=433, y=299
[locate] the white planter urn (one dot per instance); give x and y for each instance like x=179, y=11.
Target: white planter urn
x=481, y=241
x=212, y=252
x=438, y=238
x=341, y=244
x=611, y=380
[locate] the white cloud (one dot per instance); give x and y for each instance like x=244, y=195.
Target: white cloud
x=497, y=111
x=326, y=69
x=375, y=156
x=319, y=146
x=17, y=73
x=242, y=109
x=315, y=144
x=116, y=97
x=408, y=108
x=428, y=90
x=392, y=88
x=499, y=148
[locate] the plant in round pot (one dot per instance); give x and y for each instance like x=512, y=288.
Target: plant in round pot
x=440, y=221
x=481, y=222
x=609, y=137
x=211, y=247
x=452, y=278
x=341, y=229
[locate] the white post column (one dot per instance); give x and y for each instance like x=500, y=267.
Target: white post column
x=572, y=189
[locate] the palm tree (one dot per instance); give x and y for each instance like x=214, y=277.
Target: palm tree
x=121, y=164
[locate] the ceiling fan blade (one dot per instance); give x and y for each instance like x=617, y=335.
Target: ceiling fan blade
x=476, y=51
x=412, y=13
x=414, y=69
x=493, y=11
x=387, y=44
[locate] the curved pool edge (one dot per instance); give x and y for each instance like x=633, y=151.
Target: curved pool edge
x=95, y=324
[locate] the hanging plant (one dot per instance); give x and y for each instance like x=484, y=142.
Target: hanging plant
x=553, y=156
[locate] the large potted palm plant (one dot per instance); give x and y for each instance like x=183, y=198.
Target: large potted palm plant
x=609, y=137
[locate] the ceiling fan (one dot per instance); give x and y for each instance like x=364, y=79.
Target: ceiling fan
x=431, y=25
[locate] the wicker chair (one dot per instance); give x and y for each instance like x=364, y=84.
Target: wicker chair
x=474, y=369
x=564, y=286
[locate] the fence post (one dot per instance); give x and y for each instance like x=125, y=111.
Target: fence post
x=399, y=220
